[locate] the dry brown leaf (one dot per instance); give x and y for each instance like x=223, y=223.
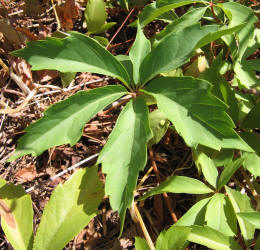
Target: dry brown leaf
x=23, y=70
x=67, y=13
x=9, y=32
x=27, y=174
x=42, y=76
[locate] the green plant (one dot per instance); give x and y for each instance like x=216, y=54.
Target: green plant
x=95, y=16
x=212, y=221
x=203, y=113
x=71, y=207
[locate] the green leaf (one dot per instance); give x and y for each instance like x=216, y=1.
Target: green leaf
x=105, y=27
x=16, y=215
x=243, y=43
x=238, y=14
x=241, y=203
x=246, y=69
x=184, y=21
x=140, y=49
x=76, y=53
x=252, y=163
x=128, y=65
x=63, y=122
x=228, y=172
x=172, y=51
x=129, y=136
x=152, y=11
x=159, y=125
x=67, y=78
x=246, y=76
x=161, y=3
x=254, y=64
x=253, y=140
x=252, y=120
x=174, y=238
x=95, y=15
x=219, y=158
x=71, y=207
x=218, y=34
x=251, y=217
x=211, y=238
x=221, y=88
x=220, y=215
x=197, y=115
x=257, y=244
x=179, y=184
x=208, y=168
x=195, y=215
x=141, y=244
x=223, y=157
x=124, y=3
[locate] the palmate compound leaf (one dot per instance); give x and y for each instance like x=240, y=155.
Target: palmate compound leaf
x=75, y=53
x=63, y=122
x=197, y=115
x=16, y=215
x=124, y=155
x=71, y=207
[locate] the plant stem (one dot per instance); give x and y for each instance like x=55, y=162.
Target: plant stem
x=121, y=26
x=146, y=234
x=252, y=188
x=211, y=4
x=116, y=105
x=56, y=15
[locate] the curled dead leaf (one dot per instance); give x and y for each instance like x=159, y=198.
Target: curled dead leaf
x=27, y=174
x=67, y=13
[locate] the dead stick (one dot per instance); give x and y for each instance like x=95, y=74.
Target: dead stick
x=165, y=195
x=114, y=36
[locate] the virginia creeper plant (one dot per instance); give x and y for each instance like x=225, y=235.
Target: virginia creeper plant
x=201, y=106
